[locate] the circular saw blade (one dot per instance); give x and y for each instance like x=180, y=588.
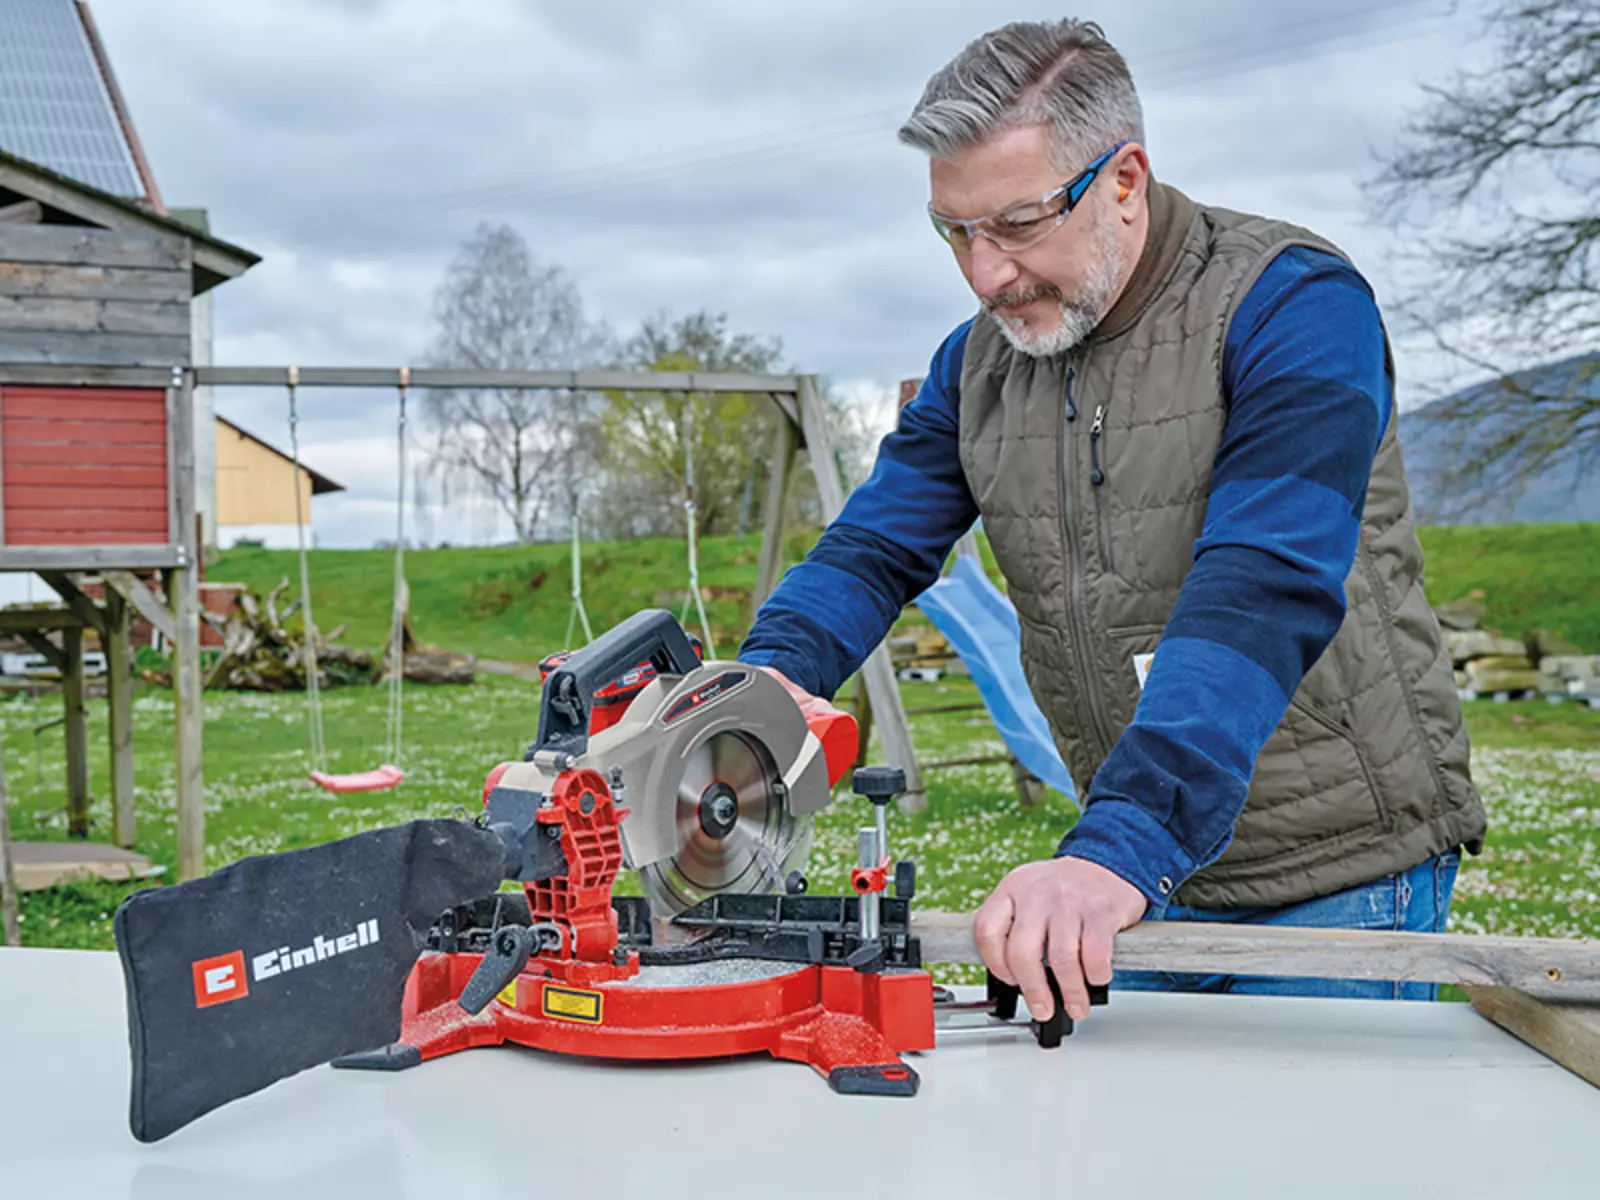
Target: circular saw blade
x=734, y=831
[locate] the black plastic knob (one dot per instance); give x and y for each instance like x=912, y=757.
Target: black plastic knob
x=905, y=879
x=795, y=883
x=878, y=784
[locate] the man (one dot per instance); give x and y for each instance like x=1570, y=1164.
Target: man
x=1177, y=425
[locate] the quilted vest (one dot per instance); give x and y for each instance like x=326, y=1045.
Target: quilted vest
x=1367, y=774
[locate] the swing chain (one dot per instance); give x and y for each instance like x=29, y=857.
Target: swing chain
x=692, y=521
x=402, y=602
x=319, y=753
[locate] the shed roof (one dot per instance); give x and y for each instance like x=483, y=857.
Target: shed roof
x=320, y=483
x=214, y=259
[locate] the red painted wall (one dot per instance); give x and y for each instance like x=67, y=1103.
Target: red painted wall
x=83, y=466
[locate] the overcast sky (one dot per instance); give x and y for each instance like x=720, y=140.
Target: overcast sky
x=733, y=156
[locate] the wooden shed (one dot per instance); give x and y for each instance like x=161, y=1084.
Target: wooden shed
x=94, y=320
x=97, y=449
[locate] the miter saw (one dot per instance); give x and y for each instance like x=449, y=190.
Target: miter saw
x=724, y=770
x=391, y=947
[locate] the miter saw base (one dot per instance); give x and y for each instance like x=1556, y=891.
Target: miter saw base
x=850, y=1026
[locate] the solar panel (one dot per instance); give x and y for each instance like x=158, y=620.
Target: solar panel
x=54, y=107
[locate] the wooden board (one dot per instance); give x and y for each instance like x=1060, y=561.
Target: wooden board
x=67, y=280
x=95, y=348
x=18, y=619
x=10, y=928
x=1549, y=968
x=80, y=314
x=135, y=556
x=39, y=865
x=86, y=246
x=1564, y=1032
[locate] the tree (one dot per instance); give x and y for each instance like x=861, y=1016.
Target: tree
x=648, y=435
x=499, y=307
x=1499, y=178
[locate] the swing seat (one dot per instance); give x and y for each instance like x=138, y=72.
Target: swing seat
x=378, y=780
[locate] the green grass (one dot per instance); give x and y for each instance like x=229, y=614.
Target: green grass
x=1538, y=766
x=1531, y=576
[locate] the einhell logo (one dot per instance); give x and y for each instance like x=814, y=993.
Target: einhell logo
x=222, y=978
x=218, y=979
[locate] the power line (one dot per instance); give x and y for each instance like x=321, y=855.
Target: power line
x=1216, y=58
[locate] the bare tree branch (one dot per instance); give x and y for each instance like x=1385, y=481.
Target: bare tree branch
x=498, y=308
x=1497, y=181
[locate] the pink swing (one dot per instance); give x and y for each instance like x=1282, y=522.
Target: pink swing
x=388, y=775
x=378, y=780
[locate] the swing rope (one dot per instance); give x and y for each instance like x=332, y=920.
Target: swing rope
x=694, y=549
x=319, y=752
x=578, y=612
x=388, y=775
x=402, y=598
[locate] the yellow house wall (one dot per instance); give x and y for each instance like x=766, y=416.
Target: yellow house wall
x=254, y=485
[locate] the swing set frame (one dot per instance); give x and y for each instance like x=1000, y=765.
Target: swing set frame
x=803, y=426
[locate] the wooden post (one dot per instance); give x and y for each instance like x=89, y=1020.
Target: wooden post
x=1029, y=788
x=77, y=732
x=183, y=594
x=863, y=721
x=10, y=928
x=877, y=672
x=771, y=561
x=119, y=698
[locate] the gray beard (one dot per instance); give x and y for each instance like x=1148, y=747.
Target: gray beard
x=1082, y=313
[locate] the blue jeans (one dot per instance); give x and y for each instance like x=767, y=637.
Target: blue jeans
x=1417, y=900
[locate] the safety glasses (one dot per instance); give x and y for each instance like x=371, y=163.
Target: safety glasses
x=1023, y=225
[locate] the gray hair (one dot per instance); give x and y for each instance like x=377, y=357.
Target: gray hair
x=1061, y=73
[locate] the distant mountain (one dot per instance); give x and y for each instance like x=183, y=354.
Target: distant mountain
x=1432, y=448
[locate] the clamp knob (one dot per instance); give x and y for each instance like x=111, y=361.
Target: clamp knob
x=878, y=784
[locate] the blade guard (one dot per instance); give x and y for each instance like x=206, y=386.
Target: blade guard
x=672, y=717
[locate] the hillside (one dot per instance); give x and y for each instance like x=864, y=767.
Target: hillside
x=1562, y=491
x=1531, y=576
x=508, y=602
x=512, y=602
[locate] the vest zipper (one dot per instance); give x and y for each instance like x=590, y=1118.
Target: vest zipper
x=1096, y=478
x=1076, y=624
x=1096, y=475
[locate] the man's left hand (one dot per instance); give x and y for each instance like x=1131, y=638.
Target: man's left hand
x=1067, y=911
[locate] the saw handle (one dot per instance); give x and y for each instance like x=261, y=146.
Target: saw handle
x=567, y=702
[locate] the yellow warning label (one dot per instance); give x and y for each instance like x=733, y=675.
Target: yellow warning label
x=508, y=994
x=570, y=1004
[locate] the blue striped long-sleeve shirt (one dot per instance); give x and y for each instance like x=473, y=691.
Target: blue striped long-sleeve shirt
x=1308, y=399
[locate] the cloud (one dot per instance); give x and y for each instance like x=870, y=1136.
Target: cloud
x=732, y=156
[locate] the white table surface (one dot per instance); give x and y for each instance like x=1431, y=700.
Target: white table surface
x=1156, y=1096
